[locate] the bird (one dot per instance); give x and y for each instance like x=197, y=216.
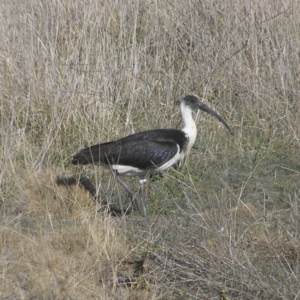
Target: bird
x=148, y=152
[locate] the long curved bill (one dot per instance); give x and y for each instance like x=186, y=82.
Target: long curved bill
x=213, y=113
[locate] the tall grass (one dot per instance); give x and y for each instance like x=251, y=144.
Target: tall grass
x=75, y=73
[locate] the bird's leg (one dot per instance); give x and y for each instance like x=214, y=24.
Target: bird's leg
x=125, y=186
x=142, y=197
x=128, y=190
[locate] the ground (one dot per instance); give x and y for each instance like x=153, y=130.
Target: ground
x=225, y=225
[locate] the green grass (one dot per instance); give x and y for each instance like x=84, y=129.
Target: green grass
x=226, y=225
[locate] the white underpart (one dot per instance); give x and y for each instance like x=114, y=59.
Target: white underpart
x=127, y=170
x=189, y=126
x=132, y=171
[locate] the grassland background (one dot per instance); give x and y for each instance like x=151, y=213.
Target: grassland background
x=74, y=73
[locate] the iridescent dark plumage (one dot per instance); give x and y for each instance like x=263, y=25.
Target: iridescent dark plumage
x=148, y=152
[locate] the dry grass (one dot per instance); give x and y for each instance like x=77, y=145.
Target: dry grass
x=78, y=72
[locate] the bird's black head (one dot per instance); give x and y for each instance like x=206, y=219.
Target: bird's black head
x=193, y=102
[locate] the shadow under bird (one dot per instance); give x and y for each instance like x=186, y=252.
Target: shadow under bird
x=147, y=152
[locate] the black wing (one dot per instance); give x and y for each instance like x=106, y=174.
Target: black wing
x=144, y=150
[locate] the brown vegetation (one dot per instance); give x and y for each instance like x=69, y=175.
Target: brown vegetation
x=74, y=73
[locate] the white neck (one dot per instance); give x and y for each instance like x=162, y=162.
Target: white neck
x=189, y=125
